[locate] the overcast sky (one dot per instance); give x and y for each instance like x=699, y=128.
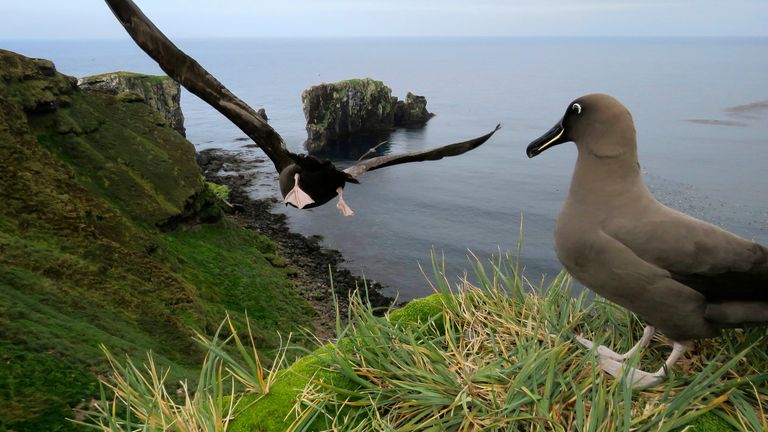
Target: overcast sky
x=91, y=19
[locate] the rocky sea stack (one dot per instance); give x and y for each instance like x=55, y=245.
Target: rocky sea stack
x=341, y=111
x=160, y=93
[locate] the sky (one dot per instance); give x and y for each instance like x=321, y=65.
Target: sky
x=91, y=19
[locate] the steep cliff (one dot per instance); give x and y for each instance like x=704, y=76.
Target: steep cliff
x=161, y=93
x=90, y=185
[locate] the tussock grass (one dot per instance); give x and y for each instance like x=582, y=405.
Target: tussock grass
x=502, y=357
x=491, y=352
x=141, y=399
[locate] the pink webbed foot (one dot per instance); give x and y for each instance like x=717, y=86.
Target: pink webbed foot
x=342, y=205
x=296, y=196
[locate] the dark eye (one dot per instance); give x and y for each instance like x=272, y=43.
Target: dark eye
x=576, y=107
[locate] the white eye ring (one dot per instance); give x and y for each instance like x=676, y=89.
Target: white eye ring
x=576, y=107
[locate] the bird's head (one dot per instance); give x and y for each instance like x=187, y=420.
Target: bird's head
x=597, y=123
x=320, y=179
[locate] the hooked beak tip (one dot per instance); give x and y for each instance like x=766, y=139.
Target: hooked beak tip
x=551, y=138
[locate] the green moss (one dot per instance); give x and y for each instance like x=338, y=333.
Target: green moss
x=82, y=262
x=710, y=422
x=221, y=191
x=419, y=310
x=268, y=413
x=121, y=152
x=271, y=412
x=25, y=82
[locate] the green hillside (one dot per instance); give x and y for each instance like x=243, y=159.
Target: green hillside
x=108, y=234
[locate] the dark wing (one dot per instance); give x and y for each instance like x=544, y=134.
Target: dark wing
x=427, y=155
x=718, y=264
x=746, y=281
x=188, y=72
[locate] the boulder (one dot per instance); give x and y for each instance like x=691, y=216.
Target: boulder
x=33, y=84
x=412, y=111
x=160, y=93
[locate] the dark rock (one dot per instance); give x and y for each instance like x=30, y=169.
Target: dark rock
x=34, y=83
x=161, y=93
x=46, y=67
x=336, y=111
x=263, y=114
x=340, y=115
x=412, y=111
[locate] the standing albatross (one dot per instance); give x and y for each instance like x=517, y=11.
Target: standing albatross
x=305, y=181
x=686, y=278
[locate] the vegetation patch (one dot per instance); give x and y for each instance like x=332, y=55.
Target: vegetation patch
x=502, y=357
x=221, y=191
x=84, y=184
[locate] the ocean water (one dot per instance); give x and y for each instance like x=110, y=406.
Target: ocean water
x=698, y=154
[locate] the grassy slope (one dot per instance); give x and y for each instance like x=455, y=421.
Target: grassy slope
x=82, y=189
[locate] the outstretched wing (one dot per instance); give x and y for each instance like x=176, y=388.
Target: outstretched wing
x=188, y=72
x=426, y=155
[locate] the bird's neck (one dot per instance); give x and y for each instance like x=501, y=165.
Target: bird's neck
x=613, y=180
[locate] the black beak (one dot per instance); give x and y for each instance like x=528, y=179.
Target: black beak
x=553, y=137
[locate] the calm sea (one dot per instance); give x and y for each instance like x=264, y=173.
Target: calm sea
x=714, y=169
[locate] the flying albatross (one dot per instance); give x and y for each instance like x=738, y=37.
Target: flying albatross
x=686, y=278
x=305, y=181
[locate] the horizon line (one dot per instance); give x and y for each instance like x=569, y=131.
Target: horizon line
x=359, y=37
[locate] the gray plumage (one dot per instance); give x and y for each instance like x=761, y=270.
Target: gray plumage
x=687, y=278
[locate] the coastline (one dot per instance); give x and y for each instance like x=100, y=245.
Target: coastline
x=316, y=267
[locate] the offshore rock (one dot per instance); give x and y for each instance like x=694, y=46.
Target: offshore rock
x=339, y=111
x=160, y=93
x=412, y=111
x=357, y=112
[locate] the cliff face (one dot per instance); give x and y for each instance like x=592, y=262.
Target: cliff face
x=160, y=93
x=341, y=111
x=87, y=181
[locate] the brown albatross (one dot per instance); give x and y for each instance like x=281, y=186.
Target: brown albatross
x=686, y=278
x=305, y=181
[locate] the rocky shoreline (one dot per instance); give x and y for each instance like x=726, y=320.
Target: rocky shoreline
x=314, y=264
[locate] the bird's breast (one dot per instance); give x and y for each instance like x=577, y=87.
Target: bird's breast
x=573, y=244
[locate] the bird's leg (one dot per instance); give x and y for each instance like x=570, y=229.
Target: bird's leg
x=606, y=352
x=342, y=205
x=296, y=196
x=641, y=379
